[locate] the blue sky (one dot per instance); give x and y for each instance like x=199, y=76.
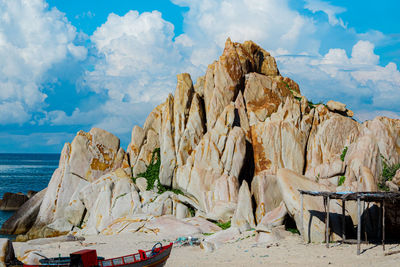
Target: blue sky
x=72, y=65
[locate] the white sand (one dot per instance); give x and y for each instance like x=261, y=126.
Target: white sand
x=288, y=252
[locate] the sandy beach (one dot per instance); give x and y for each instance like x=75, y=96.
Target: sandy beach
x=242, y=251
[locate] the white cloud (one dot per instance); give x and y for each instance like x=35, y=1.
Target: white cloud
x=358, y=80
x=270, y=23
x=137, y=67
x=32, y=39
x=12, y=112
x=138, y=58
x=363, y=53
x=328, y=9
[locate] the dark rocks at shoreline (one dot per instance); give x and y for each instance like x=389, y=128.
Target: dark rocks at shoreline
x=12, y=201
x=22, y=220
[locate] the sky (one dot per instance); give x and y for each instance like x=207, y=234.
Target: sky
x=72, y=65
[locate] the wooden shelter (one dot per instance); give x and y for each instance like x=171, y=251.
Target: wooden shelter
x=378, y=197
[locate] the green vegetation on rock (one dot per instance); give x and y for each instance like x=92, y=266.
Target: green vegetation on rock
x=388, y=172
x=343, y=155
x=224, y=226
x=152, y=175
x=341, y=180
x=293, y=230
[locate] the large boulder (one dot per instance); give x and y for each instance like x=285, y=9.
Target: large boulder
x=88, y=157
x=12, y=201
x=110, y=197
x=22, y=220
x=273, y=218
x=222, y=82
x=182, y=104
x=243, y=217
x=313, y=228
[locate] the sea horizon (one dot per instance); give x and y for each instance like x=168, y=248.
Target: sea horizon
x=19, y=169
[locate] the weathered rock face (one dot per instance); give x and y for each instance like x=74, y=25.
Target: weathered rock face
x=220, y=151
x=330, y=135
x=194, y=131
x=225, y=77
x=266, y=193
x=280, y=141
x=88, y=157
x=144, y=141
x=378, y=138
x=112, y=196
x=263, y=96
x=167, y=146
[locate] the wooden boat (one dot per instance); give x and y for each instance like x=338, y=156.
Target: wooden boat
x=155, y=257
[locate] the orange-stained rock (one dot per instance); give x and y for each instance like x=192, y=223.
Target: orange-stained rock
x=280, y=141
x=263, y=95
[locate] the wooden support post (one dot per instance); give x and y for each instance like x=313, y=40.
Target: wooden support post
x=380, y=221
x=327, y=222
x=359, y=225
x=343, y=220
x=302, y=214
x=383, y=225
x=363, y=218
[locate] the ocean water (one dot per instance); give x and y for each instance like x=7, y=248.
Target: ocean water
x=24, y=172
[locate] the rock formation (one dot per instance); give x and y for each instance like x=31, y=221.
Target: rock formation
x=12, y=201
x=240, y=125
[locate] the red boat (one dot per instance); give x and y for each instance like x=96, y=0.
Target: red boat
x=155, y=257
